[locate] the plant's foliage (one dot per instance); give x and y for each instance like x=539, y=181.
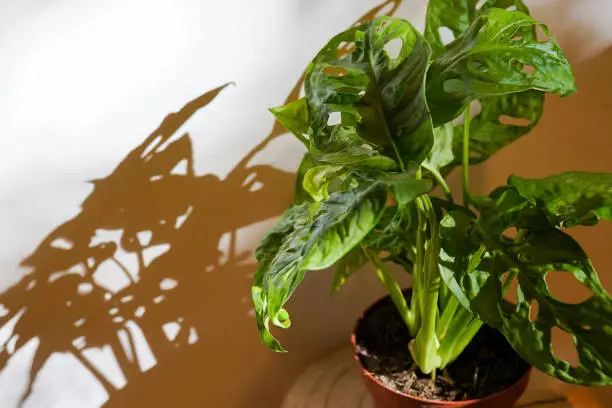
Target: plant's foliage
x=495, y=56
x=479, y=253
x=377, y=96
x=298, y=243
x=368, y=121
x=571, y=198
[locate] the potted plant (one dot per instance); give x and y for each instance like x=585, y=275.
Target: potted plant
x=381, y=125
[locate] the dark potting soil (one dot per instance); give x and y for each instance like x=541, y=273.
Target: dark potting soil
x=487, y=366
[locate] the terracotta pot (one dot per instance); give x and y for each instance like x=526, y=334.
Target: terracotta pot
x=385, y=397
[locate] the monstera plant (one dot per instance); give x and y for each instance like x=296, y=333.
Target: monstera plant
x=383, y=125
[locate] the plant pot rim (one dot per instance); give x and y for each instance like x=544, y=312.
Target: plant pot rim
x=364, y=371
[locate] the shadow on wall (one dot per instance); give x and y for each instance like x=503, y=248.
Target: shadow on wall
x=155, y=209
x=152, y=228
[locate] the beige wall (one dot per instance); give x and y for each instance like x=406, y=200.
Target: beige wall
x=84, y=83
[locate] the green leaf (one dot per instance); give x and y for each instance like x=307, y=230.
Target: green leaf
x=380, y=97
x=294, y=117
x=347, y=266
x=442, y=153
x=497, y=55
x=317, y=179
x=502, y=119
x=357, y=157
x=570, y=198
x=537, y=249
x=279, y=256
x=297, y=244
x=457, y=15
x=406, y=188
x=342, y=222
x=396, y=230
x=306, y=164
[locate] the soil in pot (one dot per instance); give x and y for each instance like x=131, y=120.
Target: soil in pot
x=487, y=366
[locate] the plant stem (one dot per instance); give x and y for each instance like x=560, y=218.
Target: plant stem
x=441, y=182
x=393, y=288
x=424, y=349
x=466, y=154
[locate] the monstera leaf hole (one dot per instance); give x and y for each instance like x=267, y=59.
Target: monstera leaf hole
x=529, y=69
x=335, y=71
x=335, y=118
x=394, y=47
x=510, y=282
x=566, y=288
x=563, y=346
x=345, y=48
x=514, y=121
x=446, y=34
x=509, y=235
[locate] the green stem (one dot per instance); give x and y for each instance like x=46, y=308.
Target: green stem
x=447, y=317
x=441, y=182
x=466, y=155
x=462, y=330
x=394, y=290
x=424, y=349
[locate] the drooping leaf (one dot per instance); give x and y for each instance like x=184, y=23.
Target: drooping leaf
x=537, y=249
x=496, y=56
x=378, y=95
x=294, y=117
x=279, y=255
x=347, y=266
x=570, y=198
x=298, y=243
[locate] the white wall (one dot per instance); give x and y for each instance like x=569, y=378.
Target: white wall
x=85, y=82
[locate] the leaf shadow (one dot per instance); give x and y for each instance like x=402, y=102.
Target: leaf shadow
x=153, y=203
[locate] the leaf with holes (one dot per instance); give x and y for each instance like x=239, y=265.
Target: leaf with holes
x=537, y=249
x=570, y=198
x=297, y=244
x=495, y=56
x=376, y=90
x=455, y=17
x=500, y=120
